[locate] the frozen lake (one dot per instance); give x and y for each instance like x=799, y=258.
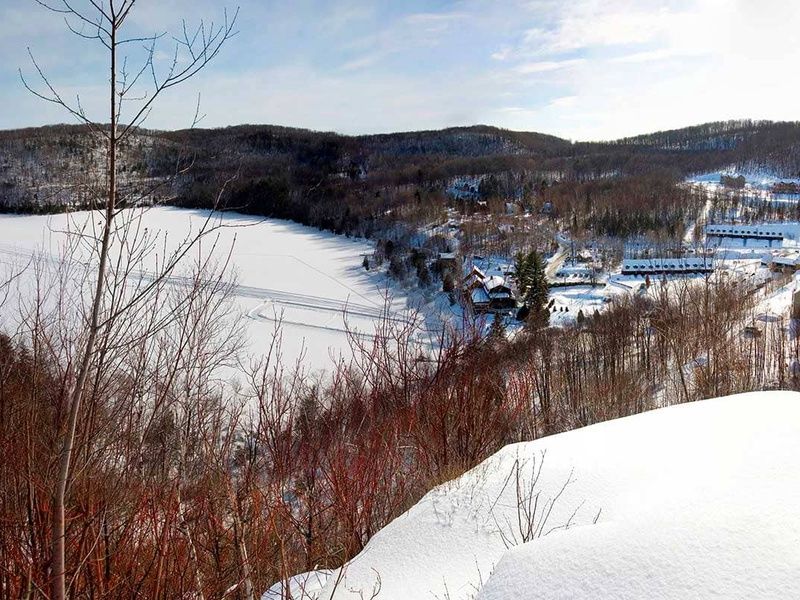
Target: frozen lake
x=307, y=279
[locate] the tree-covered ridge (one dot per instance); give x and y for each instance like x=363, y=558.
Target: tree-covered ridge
x=356, y=184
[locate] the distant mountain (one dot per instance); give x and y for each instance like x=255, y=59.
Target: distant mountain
x=42, y=168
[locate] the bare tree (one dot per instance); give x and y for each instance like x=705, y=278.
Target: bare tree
x=130, y=100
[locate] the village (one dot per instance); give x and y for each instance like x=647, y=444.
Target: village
x=584, y=276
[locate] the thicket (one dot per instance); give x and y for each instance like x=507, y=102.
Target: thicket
x=185, y=487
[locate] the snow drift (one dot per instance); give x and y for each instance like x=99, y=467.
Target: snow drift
x=697, y=500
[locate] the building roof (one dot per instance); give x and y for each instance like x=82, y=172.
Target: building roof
x=479, y=296
x=788, y=258
x=493, y=282
x=765, y=230
x=676, y=265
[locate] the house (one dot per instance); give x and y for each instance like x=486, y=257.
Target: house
x=501, y=296
x=488, y=294
x=667, y=266
x=448, y=260
x=473, y=279
x=479, y=300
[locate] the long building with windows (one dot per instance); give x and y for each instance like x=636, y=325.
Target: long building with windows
x=667, y=266
x=763, y=231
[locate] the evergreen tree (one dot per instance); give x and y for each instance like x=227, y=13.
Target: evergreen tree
x=538, y=290
x=522, y=273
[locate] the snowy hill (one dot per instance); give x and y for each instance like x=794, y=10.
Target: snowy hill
x=697, y=500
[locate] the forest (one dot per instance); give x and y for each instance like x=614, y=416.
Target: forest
x=362, y=185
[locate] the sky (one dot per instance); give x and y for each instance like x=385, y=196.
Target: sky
x=579, y=69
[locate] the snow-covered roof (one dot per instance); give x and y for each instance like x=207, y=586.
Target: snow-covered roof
x=763, y=230
x=791, y=259
x=493, y=282
x=704, y=507
x=479, y=296
x=676, y=265
x=477, y=272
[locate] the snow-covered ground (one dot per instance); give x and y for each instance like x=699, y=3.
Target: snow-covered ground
x=284, y=271
x=758, y=184
x=569, y=301
x=692, y=501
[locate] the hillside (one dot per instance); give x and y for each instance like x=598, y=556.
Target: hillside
x=694, y=501
x=32, y=157
x=367, y=185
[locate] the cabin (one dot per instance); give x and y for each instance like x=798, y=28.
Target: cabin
x=667, y=266
x=501, y=296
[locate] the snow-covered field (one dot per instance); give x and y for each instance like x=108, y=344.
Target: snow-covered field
x=692, y=501
x=306, y=278
x=758, y=184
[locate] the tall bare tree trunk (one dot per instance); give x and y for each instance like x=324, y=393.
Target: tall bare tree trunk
x=58, y=582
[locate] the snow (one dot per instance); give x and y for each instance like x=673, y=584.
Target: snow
x=574, y=299
x=493, y=282
x=692, y=501
x=758, y=184
x=756, y=178
x=284, y=271
x=303, y=586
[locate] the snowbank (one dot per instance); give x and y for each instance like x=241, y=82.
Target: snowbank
x=697, y=500
x=302, y=586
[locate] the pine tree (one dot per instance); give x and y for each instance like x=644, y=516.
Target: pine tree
x=522, y=273
x=538, y=290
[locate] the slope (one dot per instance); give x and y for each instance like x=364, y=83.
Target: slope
x=696, y=500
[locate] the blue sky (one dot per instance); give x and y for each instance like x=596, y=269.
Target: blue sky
x=581, y=69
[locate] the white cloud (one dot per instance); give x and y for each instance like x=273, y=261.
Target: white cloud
x=578, y=68
x=548, y=65
x=361, y=62
x=563, y=101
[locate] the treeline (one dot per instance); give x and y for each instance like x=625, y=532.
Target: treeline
x=420, y=158
x=363, y=185
x=182, y=487
x=626, y=206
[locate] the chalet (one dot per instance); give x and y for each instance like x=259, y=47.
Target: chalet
x=488, y=294
x=501, y=296
x=473, y=279
x=667, y=266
